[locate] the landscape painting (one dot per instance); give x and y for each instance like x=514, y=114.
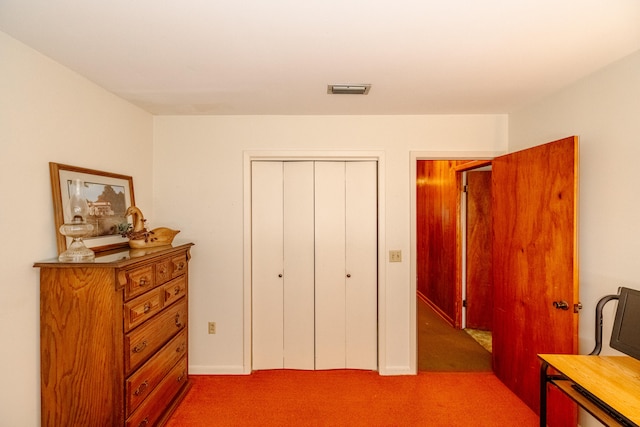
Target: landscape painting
x=108, y=196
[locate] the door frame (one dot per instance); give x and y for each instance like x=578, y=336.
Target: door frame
x=413, y=286
x=283, y=155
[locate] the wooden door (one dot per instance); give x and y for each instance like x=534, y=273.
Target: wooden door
x=479, y=276
x=346, y=265
x=535, y=263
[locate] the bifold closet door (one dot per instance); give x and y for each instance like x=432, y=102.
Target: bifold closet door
x=346, y=265
x=299, y=280
x=282, y=265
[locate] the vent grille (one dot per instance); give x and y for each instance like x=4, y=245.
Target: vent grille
x=343, y=89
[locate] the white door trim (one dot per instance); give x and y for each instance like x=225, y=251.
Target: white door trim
x=248, y=157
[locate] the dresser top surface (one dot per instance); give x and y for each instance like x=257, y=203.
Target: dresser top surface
x=118, y=258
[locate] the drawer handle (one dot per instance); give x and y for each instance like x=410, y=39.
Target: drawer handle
x=176, y=291
x=143, y=281
x=181, y=377
x=144, y=422
x=180, y=266
x=141, y=388
x=180, y=348
x=140, y=347
x=147, y=307
x=178, y=323
x=163, y=270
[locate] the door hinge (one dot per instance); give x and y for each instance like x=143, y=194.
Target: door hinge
x=464, y=303
x=465, y=188
x=577, y=307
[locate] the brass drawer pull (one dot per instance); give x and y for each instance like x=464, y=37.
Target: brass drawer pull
x=147, y=307
x=176, y=291
x=140, y=347
x=180, y=348
x=144, y=281
x=178, y=323
x=144, y=422
x=141, y=388
x=180, y=266
x=163, y=270
x=181, y=377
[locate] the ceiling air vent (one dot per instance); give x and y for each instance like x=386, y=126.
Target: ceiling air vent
x=348, y=89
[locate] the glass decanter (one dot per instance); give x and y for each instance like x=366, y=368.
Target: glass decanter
x=77, y=227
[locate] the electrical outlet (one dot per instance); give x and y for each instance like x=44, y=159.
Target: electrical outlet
x=395, y=255
x=212, y=327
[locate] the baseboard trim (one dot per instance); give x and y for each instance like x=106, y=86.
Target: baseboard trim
x=239, y=370
x=216, y=370
x=437, y=309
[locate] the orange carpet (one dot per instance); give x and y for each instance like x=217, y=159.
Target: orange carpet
x=351, y=398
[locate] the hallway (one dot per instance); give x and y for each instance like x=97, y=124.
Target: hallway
x=445, y=349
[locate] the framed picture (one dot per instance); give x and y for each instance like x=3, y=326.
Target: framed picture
x=108, y=196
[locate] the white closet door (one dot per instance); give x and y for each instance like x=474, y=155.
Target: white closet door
x=346, y=265
x=330, y=265
x=314, y=265
x=298, y=265
x=267, y=264
x=361, y=290
x=283, y=265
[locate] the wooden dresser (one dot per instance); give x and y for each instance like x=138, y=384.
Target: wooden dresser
x=113, y=338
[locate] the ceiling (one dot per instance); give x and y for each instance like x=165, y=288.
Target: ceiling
x=278, y=56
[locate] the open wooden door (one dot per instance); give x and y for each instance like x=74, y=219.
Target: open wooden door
x=535, y=267
x=479, y=277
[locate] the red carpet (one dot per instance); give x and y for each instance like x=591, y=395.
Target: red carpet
x=351, y=398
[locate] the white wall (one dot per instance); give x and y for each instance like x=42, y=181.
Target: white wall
x=198, y=188
x=604, y=111
x=48, y=113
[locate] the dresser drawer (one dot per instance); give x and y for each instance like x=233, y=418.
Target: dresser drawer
x=170, y=268
x=143, y=342
x=178, y=266
x=145, y=379
x=139, y=280
x=174, y=290
x=164, y=270
x=153, y=408
x=142, y=308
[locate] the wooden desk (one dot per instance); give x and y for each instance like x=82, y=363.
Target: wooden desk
x=615, y=380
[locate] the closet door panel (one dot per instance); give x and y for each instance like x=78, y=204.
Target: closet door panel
x=330, y=265
x=361, y=288
x=298, y=265
x=267, y=264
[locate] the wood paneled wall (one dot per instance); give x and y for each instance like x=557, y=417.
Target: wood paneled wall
x=436, y=234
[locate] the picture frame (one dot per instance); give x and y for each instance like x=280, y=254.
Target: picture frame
x=108, y=195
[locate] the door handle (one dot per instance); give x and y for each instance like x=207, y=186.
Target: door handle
x=561, y=305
